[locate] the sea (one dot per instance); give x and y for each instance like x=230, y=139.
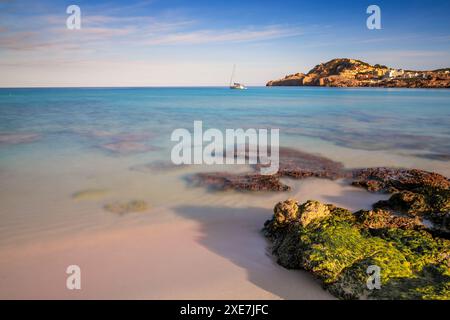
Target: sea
x=66, y=153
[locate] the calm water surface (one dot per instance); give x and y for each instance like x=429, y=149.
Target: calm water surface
x=56, y=142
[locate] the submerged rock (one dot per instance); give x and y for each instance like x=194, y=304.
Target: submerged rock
x=415, y=193
x=430, y=203
x=293, y=164
x=434, y=156
x=18, y=138
x=157, y=166
x=127, y=207
x=126, y=147
x=239, y=182
x=122, y=143
x=298, y=164
x=392, y=180
x=89, y=194
x=338, y=247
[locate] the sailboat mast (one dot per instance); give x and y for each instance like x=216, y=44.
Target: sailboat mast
x=232, y=74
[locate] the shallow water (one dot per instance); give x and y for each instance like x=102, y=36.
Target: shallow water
x=56, y=142
x=66, y=153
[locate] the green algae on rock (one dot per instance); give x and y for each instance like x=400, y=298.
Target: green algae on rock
x=339, y=246
x=126, y=207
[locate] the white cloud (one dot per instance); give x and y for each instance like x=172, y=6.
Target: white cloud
x=224, y=36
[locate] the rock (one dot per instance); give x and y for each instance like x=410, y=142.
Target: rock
x=434, y=156
x=157, y=166
x=415, y=193
x=406, y=202
x=380, y=219
x=285, y=212
x=392, y=179
x=288, y=81
x=340, y=246
x=312, y=211
x=18, y=138
x=89, y=194
x=122, y=143
x=355, y=73
x=127, y=207
x=126, y=147
x=298, y=164
x=240, y=182
x=428, y=202
x=113, y=136
x=294, y=164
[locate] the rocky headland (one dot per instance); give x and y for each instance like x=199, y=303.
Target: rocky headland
x=356, y=73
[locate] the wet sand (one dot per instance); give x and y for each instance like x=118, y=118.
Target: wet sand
x=183, y=260
x=200, y=252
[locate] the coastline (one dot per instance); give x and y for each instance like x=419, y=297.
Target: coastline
x=348, y=73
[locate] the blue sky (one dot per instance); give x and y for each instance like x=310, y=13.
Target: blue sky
x=174, y=42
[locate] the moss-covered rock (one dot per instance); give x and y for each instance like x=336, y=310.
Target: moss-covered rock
x=312, y=211
x=338, y=247
x=285, y=212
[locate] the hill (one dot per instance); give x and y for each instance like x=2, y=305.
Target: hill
x=355, y=73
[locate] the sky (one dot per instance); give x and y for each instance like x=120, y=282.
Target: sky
x=196, y=43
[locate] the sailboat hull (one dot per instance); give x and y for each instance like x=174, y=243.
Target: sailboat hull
x=238, y=87
x=235, y=85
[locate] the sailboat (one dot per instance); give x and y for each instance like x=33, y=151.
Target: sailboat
x=235, y=85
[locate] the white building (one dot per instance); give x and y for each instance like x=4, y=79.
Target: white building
x=393, y=73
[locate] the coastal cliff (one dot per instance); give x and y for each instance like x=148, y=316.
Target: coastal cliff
x=356, y=73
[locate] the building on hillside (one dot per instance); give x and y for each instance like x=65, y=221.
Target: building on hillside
x=394, y=73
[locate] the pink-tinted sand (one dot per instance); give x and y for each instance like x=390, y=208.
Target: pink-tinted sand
x=216, y=259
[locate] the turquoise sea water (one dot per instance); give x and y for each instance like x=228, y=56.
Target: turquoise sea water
x=55, y=142
x=369, y=119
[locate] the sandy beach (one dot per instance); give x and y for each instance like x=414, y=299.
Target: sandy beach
x=201, y=252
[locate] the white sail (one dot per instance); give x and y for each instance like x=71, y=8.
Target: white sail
x=235, y=85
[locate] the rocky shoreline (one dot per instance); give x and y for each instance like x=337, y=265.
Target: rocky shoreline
x=406, y=236
x=356, y=73
x=338, y=246
x=414, y=192
x=293, y=164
